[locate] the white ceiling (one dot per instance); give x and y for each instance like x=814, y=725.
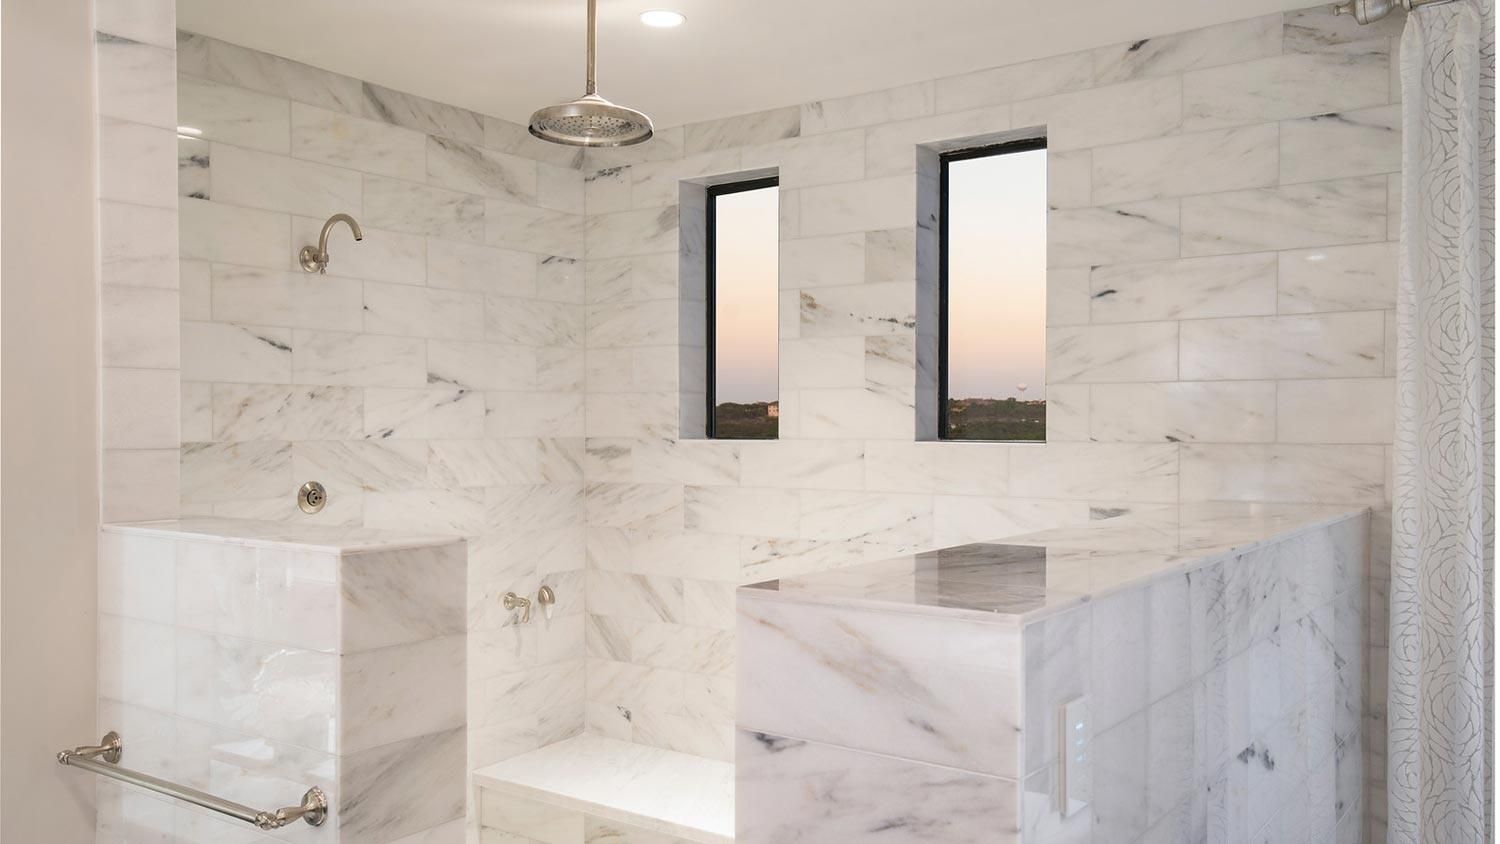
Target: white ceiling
x=508, y=57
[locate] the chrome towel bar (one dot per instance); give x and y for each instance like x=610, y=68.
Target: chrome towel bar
x=314, y=807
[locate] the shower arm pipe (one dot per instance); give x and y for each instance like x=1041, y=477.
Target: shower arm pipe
x=590, y=83
x=1370, y=11
x=314, y=259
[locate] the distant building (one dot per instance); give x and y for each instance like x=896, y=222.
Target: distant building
x=773, y=410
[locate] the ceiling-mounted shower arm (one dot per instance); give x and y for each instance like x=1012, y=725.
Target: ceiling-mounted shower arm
x=314, y=259
x=1370, y=11
x=590, y=82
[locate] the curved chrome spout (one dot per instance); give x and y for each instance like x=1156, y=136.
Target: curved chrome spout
x=314, y=259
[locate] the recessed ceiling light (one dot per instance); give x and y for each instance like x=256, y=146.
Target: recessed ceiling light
x=662, y=18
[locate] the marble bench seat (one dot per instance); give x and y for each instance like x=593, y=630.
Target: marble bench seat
x=595, y=789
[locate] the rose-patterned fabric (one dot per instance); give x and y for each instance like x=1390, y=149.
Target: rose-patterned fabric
x=1441, y=737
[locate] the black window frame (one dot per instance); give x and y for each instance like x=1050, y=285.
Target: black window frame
x=710, y=284
x=945, y=159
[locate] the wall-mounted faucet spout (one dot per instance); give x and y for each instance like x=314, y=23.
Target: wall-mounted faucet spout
x=315, y=258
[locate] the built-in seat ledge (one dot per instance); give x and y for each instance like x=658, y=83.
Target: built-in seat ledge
x=675, y=794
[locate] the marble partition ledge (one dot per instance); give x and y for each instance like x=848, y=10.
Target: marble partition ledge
x=1217, y=650
x=255, y=659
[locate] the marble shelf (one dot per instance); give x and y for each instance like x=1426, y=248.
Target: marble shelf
x=591, y=778
x=1029, y=576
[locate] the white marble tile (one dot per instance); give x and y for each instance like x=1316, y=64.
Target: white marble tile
x=1067, y=412
x=194, y=177
x=822, y=261
x=429, y=697
x=959, y=519
x=1200, y=162
x=560, y=189
x=1139, y=231
x=1113, y=114
x=871, y=681
x=811, y=160
x=237, y=353
x=474, y=169
x=531, y=229
x=403, y=787
x=138, y=408
x=237, y=116
x=1283, y=473
x=411, y=311
x=370, y=146
x=639, y=232
x=213, y=231
x=272, y=412
x=419, y=209
x=868, y=109
x=260, y=180
x=137, y=245
x=195, y=283
x=836, y=794
x=867, y=516
x=350, y=468
x=1016, y=82
x=290, y=299
x=742, y=130
x=876, y=203
x=1339, y=144
x=745, y=511
x=1317, y=27
x=437, y=412
x=1338, y=78
x=357, y=360
x=148, y=21
x=138, y=163
x=228, y=471
x=1316, y=346
x=1319, y=411
x=138, y=327
x=1094, y=471
x=1232, y=285
x=1179, y=52
x=531, y=322
x=890, y=148
x=136, y=81
x=857, y=311
x=381, y=256
x=426, y=116
x=1311, y=214
x=1092, y=354
x=856, y=414
x=246, y=68
x=1185, y=411
x=1338, y=278
x=480, y=366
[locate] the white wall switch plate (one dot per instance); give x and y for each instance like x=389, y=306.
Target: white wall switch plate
x=1075, y=757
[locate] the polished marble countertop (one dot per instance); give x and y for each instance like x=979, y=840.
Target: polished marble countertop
x=300, y=535
x=1021, y=578
x=660, y=790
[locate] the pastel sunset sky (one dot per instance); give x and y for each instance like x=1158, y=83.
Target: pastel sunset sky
x=997, y=265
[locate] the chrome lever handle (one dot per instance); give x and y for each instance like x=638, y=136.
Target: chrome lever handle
x=512, y=601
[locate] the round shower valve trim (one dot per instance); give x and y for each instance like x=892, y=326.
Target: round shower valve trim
x=312, y=497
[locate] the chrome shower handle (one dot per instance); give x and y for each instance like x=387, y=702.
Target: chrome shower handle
x=512, y=601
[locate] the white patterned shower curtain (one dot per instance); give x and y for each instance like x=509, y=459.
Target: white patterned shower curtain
x=1441, y=739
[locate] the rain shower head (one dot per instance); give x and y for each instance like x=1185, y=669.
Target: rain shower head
x=590, y=120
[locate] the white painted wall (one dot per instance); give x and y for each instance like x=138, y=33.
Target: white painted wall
x=48, y=417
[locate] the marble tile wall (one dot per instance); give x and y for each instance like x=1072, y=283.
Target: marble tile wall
x=135, y=51
x=432, y=380
x=1223, y=704
x=1221, y=233
x=255, y=671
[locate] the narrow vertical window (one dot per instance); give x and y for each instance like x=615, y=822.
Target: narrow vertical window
x=743, y=374
x=992, y=342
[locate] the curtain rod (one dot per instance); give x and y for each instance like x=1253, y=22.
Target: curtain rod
x=1369, y=11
